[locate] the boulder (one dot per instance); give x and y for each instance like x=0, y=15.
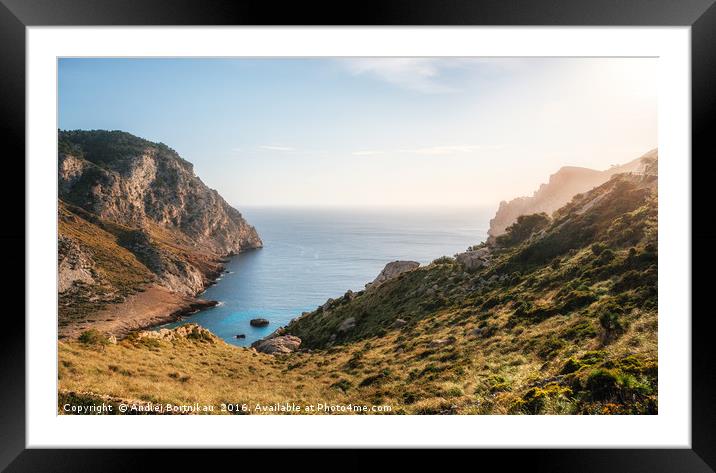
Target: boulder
x=259, y=322
x=440, y=342
x=347, y=325
x=392, y=270
x=280, y=344
x=399, y=322
x=476, y=332
x=241, y=335
x=473, y=260
x=328, y=304
x=276, y=333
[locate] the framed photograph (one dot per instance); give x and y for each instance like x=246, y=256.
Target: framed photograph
x=425, y=225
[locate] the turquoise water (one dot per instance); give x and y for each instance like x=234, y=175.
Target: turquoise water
x=310, y=255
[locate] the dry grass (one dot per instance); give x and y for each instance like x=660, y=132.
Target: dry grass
x=471, y=376
x=522, y=335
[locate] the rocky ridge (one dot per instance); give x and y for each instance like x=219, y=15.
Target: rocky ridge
x=561, y=187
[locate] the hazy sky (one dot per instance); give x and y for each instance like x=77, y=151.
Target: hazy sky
x=372, y=131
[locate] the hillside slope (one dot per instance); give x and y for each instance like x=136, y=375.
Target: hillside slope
x=561, y=187
x=566, y=310
x=133, y=216
x=561, y=320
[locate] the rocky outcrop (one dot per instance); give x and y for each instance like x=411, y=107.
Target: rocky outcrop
x=258, y=322
x=133, y=215
x=347, y=325
x=392, y=270
x=474, y=259
x=559, y=190
x=75, y=266
x=277, y=344
x=188, y=331
x=134, y=182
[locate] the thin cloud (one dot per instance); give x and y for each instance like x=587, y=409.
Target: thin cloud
x=441, y=150
x=276, y=148
x=368, y=153
x=417, y=74
x=446, y=149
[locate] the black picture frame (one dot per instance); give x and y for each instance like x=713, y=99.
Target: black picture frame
x=700, y=15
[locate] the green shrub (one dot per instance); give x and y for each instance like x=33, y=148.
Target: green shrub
x=550, y=347
x=409, y=397
x=589, y=358
x=444, y=260
x=605, y=257
x=342, y=385
x=611, y=325
x=375, y=379
x=497, y=383
x=602, y=384
x=524, y=227
x=614, y=385
x=93, y=337
x=579, y=331
x=598, y=248
x=534, y=400
x=577, y=299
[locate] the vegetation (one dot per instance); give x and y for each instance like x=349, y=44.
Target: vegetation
x=523, y=228
x=93, y=337
x=101, y=146
x=563, y=320
x=117, y=270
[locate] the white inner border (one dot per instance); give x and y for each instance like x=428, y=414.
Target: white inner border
x=670, y=428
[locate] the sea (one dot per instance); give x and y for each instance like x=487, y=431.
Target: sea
x=313, y=254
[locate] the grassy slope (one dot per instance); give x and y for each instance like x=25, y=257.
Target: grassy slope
x=119, y=271
x=180, y=371
x=563, y=322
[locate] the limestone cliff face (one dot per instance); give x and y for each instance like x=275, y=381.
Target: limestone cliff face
x=559, y=190
x=141, y=184
x=134, y=214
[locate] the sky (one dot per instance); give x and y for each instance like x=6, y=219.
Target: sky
x=372, y=131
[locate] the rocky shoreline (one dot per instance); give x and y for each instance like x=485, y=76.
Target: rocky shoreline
x=146, y=310
x=195, y=304
x=151, y=308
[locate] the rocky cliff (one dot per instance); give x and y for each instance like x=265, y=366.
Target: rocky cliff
x=130, y=181
x=561, y=187
x=134, y=214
